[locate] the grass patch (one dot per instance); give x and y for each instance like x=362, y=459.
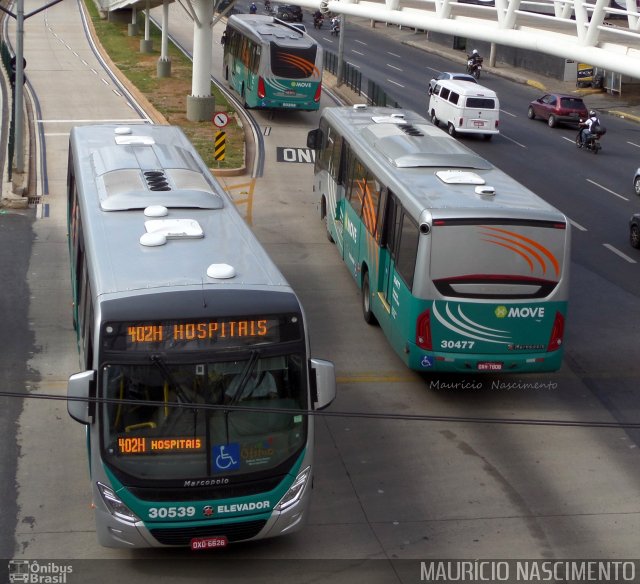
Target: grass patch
x=168, y=94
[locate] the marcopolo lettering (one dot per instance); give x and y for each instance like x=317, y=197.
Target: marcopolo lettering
x=240, y=507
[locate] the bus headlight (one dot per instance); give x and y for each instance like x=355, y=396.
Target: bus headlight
x=116, y=507
x=293, y=495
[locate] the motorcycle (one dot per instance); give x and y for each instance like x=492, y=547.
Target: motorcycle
x=335, y=29
x=474, y=67
x=318, y=21
x=592, y=141
x=253, y=9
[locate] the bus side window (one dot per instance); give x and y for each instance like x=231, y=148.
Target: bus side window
x=356, y=180
x=407, y=250
x=400, y=236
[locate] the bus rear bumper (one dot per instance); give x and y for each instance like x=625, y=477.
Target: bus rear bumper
x=427, y=362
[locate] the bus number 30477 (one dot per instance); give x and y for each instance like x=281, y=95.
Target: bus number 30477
x=171, y=512
x=456, y=344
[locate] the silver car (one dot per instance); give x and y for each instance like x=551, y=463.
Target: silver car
x=636, y=182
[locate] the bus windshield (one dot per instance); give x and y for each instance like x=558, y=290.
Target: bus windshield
x=171, y=437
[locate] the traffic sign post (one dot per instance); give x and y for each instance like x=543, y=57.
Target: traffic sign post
x=220, y=120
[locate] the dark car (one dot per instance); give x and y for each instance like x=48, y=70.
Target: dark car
x=289, y=12
x=450, y=75
x=223, y=5
x=558, y=108
x=634, y=230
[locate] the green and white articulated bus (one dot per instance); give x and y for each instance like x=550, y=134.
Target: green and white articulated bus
x=272, y=64
x=464, y=268
x=197, y=388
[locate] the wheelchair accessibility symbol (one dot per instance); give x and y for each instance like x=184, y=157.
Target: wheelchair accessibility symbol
x=226, y=457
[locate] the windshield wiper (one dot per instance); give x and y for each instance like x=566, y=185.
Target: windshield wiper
x=244, y=377
x=168, y=377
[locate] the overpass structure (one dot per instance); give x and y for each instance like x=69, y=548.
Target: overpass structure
x=602, y=33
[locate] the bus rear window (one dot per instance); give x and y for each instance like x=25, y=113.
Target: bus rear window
x=293, y=63
x=495, y=260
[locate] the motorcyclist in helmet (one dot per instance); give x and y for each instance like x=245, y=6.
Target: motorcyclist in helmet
x=586, y=127
x=475, y=57
x=253, y=8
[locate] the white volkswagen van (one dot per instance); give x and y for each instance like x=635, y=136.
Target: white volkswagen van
x=465, y=107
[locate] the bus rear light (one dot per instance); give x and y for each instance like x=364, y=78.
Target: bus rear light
x=460, y=122
x=423, y=331
x=261, y=89
x=557, y=333
x=316, y=97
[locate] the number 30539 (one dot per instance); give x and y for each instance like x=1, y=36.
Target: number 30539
x=171, y=512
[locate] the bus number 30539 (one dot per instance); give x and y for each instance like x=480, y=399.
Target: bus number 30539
x=171, y=512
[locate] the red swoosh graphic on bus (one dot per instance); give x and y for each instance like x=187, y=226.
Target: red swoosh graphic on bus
x=304, y=65
x=520, y=242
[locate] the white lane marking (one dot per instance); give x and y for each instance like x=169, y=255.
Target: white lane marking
x=394, y=55
x=606, y=189
x=394, y=67
x=395, y=83
x=509, y=113
x=361, y=42
x=577, y=225
x=512, y=140
x=633, y=144
x=624, y=256
x=357, y=52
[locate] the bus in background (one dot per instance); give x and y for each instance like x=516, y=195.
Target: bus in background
x=197, y=388
x=272, y=64
x=464, y=268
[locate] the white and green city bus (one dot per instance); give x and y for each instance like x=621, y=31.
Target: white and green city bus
x=272, y=64
x=197, y=387
x=464, y=268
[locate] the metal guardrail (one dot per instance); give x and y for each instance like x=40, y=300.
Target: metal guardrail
x=353, y=79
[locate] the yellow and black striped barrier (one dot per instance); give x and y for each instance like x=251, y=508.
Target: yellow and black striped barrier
x=219, y=145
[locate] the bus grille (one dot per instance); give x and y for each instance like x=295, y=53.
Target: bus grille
x=233, y=532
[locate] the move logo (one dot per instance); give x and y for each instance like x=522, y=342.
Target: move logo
x=519, y=312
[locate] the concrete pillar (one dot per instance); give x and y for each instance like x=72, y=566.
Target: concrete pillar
x=146, y=45
x=164, y=63
x=133, y=25
x=201, y=104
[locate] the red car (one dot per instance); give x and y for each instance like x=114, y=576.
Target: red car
x=558, y=108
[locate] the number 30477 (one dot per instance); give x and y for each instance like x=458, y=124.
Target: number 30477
x=457, y=344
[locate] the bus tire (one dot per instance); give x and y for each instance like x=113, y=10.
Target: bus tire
x=451, y=130
x=226, y=74
x=369, y=317
x=245, y=105
x=325, y=217
x=434, y=119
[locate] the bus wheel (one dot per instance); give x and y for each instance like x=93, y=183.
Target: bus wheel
x=369, y=317
x=326, y=220
x=451, y=129
x=226, y=74
x=244, y=101
x=434, y=119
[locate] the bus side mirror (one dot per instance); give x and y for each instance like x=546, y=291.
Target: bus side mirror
x=314, y=139
x=79, y=391
x=325, y=383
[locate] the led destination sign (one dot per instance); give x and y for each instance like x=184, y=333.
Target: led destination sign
x=189, y=335
x=192, y=331
x=147, y=445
